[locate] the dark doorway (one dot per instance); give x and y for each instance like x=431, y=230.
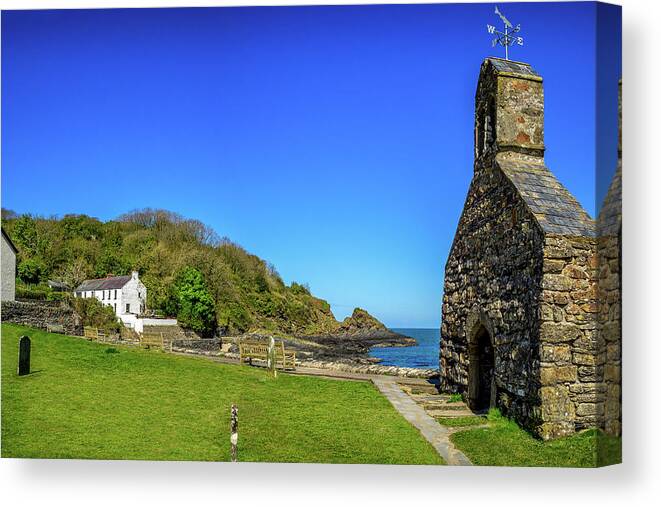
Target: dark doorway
x=480, y=377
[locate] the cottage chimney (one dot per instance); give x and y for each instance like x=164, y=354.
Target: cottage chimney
x=134, y=275
x=509, y=110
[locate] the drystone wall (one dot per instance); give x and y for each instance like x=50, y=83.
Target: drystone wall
x=41, y=314
x=492, y=279
x=609, y=280
x=572, y=354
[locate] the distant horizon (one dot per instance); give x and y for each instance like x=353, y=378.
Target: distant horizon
x=335, y=142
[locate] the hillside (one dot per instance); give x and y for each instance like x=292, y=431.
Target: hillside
x=177, y=258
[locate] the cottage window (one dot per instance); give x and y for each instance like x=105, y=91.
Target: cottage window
x=128, y=307
x=115, y=293
x=103, y=294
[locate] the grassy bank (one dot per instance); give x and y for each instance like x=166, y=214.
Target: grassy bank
x=87, y=400
x=504, y=443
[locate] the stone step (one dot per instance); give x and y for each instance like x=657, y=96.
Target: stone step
x=443, y=405
x=450, y=413
x=415, y=389
x=436, y=398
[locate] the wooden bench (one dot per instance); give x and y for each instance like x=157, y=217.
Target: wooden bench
x=55, y=328
x=284, y=359
x=149, y=340
x=91, y=333
x=94, y=334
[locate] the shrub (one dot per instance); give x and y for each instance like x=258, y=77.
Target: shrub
x=37, y=292
x=94, y=313
x=57, y=296
x=297, y=288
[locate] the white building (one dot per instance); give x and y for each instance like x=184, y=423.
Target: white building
x=8, y=261
x=127, y=295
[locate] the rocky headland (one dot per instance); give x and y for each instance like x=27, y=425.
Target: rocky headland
x=349, y=342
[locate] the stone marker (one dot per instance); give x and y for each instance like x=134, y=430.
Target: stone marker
x=24, y=356
x=234, y=437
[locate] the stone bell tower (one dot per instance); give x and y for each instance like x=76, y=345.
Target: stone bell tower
x=519, y=304
x=509, y=111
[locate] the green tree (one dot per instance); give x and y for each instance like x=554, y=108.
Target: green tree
x=195, y=306
x=31, y=271
x=25, y=234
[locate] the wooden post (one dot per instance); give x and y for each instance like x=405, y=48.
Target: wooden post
x=234, y=437
x=271, y=358
x=24, y=356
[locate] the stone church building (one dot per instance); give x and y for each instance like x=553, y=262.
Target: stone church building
x=520, y=304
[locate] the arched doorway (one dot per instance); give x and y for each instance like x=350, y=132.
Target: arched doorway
x=481, y=382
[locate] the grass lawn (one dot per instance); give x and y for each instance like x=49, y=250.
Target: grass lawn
x=505, y=444
x=84, y=401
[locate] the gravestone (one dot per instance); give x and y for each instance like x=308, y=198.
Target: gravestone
x=24, y=356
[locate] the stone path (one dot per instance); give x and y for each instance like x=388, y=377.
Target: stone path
x=437, y=435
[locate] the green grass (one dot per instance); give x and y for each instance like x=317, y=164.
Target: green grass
x=84, y=400
x=455, y=398
x=453, y=422
x=504, y=443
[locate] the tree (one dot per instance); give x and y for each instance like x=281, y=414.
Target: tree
x=8, y=214
x=75, y=272
x=195, y=306
x=25, y=234
x=30, y=271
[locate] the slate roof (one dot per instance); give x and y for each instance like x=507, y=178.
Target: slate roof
x=9, y=241
x=610, y=216
x=508, y=66
x=56, y=284
x=111, y=282
x=556, y=210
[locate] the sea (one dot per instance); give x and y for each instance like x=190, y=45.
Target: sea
x=423, y=355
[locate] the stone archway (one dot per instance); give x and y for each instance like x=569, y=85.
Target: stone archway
x=481, y=385
x=481, y=363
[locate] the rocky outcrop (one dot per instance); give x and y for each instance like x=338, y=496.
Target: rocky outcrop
x=360, y=322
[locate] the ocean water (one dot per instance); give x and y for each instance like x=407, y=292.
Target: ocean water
x=423, y=355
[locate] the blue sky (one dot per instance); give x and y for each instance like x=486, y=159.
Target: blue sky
x=334, y=142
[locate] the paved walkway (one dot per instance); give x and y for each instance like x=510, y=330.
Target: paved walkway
x=437, y=435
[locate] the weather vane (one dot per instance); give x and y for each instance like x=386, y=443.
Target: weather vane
x=506, y=38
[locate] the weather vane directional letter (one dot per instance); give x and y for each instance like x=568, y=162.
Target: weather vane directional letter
x=506, y=38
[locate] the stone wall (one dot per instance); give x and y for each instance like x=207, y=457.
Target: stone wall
x=40, y=314
x=609, y=327
x=572, y=357
x=492, y=279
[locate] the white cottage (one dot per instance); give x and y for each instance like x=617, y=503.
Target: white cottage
x=8, y=255
x=127, y=295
